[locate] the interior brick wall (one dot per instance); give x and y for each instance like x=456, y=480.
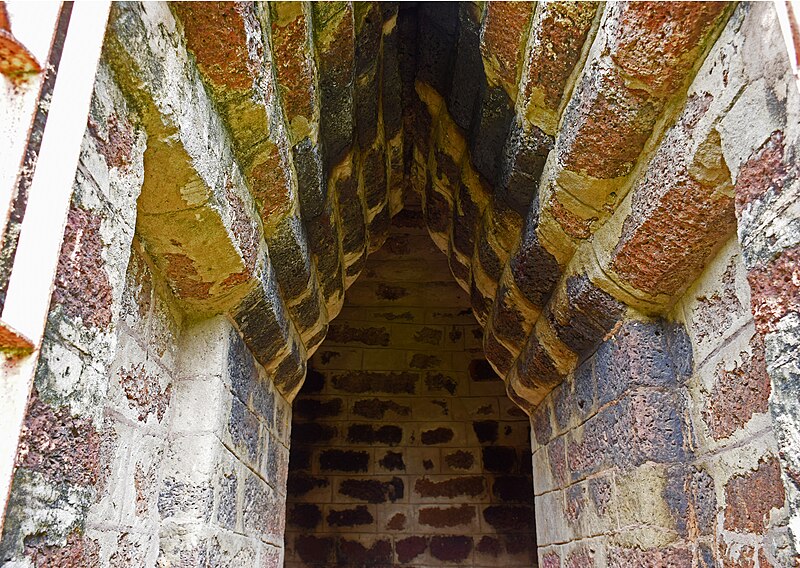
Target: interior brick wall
x=405, y=449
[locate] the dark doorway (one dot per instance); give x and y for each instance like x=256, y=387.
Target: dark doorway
x=405, y=448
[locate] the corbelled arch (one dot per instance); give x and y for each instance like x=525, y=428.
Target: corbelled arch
x=581, y=165
x=404, y=445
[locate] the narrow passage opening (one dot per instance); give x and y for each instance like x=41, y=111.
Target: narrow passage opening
x=405, y=449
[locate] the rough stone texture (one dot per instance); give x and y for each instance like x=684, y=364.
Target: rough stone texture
x=74, y=424
x=503, y=39
x=765, y=178
x=656, y=66
x=236, y=449
x=58, y=446
x=699, y=187
x=751, y=497
x=558, y=34
x=82, y=287
x=217, y=201
x=582, y=168
x=739, y=393
x=657, y=383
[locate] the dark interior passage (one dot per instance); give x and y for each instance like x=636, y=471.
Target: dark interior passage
x=405, y=449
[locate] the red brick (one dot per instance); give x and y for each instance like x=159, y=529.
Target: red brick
x=354, y=553
x=739, y=557
x=345, y=333
x=542, y=425
x=372, y=490
x=667, y=557
x=397, y=522
x=58, y=445
x=738, y=394
x=293, y=65
x=269, y=183
x=551, y=560
x=116, y=145
x=409, y=548
x=456, y=486
x=216, y=35
x=763, y=173
x=504, y=36
x=144, y=392
x=304, y=515
x=580, y=558
x=451, y=548
x=573, y=225
x=509, y=517
x=460, y=460
x=562, y=31
x=489, y=546
x=606, y=125
x=349, y=517
x=751, y=496
x=82, y=287
x=558, y=461
x=312, y=549
x=763, y=562
x=576, y=502
x=680, y=212
x=657, y=43
x=78, y=552
x=447, y=516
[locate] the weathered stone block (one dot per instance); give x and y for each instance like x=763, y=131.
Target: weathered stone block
x=639, y=355
x=373, y=490
x=344, y=461
x=468, y=74
x=504, y=35
x=750, y=497
x=583, y=315
x=558, y=32
x=436, y=41
x=493, y=117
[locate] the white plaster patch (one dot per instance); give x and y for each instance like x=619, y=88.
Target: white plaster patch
x=748, y=124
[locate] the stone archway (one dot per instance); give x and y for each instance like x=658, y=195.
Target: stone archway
x=585, y=168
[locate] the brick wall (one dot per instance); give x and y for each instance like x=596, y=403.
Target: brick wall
x=405, y=448
x=729, y=393
x=117, y=425
x=147, y=441
x=106, y=363
x=125, y=519
x=659, y=450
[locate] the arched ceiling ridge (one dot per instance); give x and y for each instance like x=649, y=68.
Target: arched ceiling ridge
x=565, y=155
